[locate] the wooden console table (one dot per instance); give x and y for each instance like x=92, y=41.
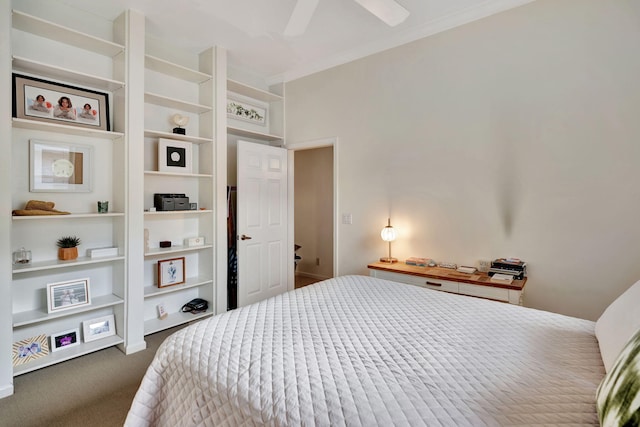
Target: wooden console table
x=449, y=280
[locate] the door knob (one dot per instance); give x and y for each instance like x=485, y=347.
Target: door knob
x=244, y=237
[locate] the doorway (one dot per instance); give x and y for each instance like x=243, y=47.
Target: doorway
x=313, y=213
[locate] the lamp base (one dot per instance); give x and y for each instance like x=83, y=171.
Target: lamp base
x=389, y=260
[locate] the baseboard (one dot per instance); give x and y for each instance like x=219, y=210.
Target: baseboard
x=312, y=275
x=6, y=391
x=130, y=349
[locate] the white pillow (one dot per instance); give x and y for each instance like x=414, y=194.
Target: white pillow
x=617, y=324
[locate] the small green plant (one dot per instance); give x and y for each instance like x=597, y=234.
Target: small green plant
x=68, y=242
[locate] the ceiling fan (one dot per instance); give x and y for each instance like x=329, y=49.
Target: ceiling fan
x=388, y=11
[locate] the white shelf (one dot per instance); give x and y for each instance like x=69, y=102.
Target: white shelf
x=168, y=213
x=174, y=250
x=50, y=265
x=175, y=319
x=252, y=92
x=66, y=354
x=47, y=29
x=36, y=316
x=159, y=134
x=64, y=129
x=174, y=174
x=40, y=68
x=175, y=70
x=164, y=101
x=201, y=88
x=192, y=282
x=70, y=216
x=252, y=134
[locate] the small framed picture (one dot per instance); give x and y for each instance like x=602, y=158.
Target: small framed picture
x=162, y=311
x=171, y=272
x=174, y=156
x=248, y=112
x=98, y=328
x=66, y=339
x=27, y=350
x=67, y=295
x=59, y=167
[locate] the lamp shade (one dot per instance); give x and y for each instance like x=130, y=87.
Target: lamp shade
x=388, y=234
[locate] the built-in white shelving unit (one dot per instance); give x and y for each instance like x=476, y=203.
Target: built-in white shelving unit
x=33, y=38
x=192, y=95
x=273, y=130
x=144, y=92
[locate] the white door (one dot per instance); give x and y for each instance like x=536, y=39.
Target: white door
x=262, y=222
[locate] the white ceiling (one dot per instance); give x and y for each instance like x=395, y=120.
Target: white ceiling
x=252, y=30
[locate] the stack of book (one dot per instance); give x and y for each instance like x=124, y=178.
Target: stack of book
x=502, y=278
x=420, y=262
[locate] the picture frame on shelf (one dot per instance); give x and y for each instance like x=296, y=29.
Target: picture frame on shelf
x=59, y=167
x=162, y=311
x=67, y=295
x=246, y=111
x=171, y=272
x=174, y=156
x=98, y=328
x=46, y=101
x=65, y=339
x=29, y=349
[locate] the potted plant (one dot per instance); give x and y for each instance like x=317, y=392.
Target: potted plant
x=68, y=247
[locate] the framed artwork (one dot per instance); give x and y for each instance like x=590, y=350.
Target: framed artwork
x=98, y=328
x=242, y=110
x=27, y=350
x=65, y=339
x=66, y=295
x=171, y=272
x=46, y=101
x=59, y=167
x=174, y=156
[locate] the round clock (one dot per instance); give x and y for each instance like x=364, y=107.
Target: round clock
x=62, y=168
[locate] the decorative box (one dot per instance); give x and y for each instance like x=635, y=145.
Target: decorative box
x=194, y=241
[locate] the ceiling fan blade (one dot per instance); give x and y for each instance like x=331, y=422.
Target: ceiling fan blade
x=300, y=17
x=388, y=11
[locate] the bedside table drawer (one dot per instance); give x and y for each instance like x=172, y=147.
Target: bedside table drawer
x=489, y=292
x=425, y=282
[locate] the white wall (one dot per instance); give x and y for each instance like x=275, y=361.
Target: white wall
x=516, y=135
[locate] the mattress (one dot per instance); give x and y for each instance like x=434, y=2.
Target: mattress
x=357, y=350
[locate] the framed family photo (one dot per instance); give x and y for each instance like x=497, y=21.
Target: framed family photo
x=98, y=328
x=59, y=167
x=46, y=101
x=67, y=295
x=171, y=272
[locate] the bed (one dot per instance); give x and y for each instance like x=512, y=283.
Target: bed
x=357, y=350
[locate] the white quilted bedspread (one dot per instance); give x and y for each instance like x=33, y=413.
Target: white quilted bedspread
x=363, y=351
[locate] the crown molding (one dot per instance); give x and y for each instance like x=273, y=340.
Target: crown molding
x=456, y=19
